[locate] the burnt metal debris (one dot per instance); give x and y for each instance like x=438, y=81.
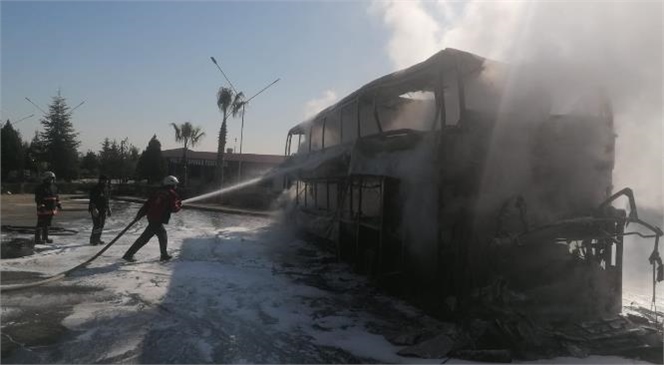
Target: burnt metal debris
x=460, y=184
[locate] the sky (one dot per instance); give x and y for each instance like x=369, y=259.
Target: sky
x=140, y=66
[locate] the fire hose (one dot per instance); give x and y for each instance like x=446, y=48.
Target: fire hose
x=5, y=288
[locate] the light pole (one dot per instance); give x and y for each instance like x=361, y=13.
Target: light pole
x=42, y=110
x=239, y=172
x=244, y=104
x=222, y=72
x=36, y=106
x=24, y=118
x=15, y=122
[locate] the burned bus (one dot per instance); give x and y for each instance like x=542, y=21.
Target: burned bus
x=460, y=181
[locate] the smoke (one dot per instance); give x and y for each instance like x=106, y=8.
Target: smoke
x=415, y=34
x=313, y=106
x=614, y=47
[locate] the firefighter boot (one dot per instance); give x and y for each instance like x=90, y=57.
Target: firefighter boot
x=128, y=258
x=38, y=240
x=45, y=235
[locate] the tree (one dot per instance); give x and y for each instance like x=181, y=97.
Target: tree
x=229, y=104
x=34, y=155
x=130, y=154
x=118, y=160
x=187, y=134
x=151, y=163
x=60, y=140
x=107, y=157
x=13, y=155
x=28, y=165
x=90, y=164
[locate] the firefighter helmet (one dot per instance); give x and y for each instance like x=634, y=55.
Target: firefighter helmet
x=48, y=175
x=170, y=180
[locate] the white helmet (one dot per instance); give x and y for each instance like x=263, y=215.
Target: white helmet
x=170, y=180
x=48, y=175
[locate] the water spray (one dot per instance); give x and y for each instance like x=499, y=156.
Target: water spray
x=224, y=190
x=278, y=171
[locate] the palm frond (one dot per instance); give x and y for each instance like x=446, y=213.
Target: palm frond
x=186, y=129
x=224, y=99
x=196, y=136
x=238, y=103
x=178, y=132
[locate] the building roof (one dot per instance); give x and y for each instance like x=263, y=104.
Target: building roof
x=212, y=156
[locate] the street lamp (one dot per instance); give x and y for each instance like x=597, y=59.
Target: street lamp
x=239, y=173
x=244, y=104
x=14, y=121
x=222, y=72
x=24, y=118
x=36, y=106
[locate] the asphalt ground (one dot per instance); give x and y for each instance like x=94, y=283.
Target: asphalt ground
x=20, y=210
x=36, y=328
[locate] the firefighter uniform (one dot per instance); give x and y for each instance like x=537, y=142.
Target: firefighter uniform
x=99, y=208
x=48, y=203
x=158, y=209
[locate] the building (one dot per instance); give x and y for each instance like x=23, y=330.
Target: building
x=237, y=167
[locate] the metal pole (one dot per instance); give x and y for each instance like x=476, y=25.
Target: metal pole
x=22, y=119
x=239, y=168
x=222, y=72
x=263, y=89
x=36, y=106
x=242, y=129
x=76, y=107
x=239, y=173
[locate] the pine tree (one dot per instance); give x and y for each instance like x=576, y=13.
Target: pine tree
x=60, y=140
x=151, y=163
x=12, y=151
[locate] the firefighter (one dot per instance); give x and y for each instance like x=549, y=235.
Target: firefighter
x=48, y=203
x=99, y=208
x=158, y=208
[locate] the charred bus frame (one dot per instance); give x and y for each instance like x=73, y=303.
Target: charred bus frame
x=426, y=180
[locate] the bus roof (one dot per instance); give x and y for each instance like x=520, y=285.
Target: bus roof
x=423, y=73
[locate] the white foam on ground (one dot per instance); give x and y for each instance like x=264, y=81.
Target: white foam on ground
x=226, y=293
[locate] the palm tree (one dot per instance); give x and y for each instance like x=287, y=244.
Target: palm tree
x=187, y=134
x=229, y=104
